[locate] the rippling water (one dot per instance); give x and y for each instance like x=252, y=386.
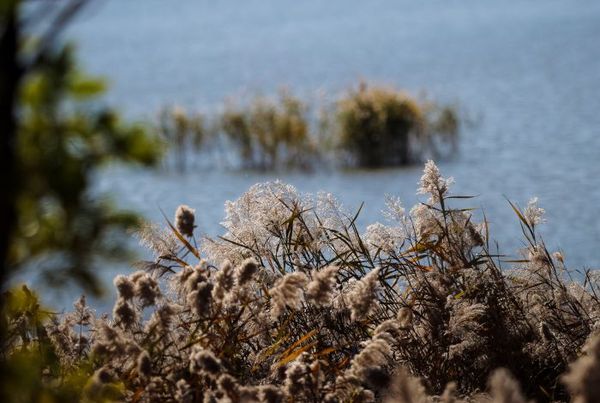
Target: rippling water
x=529, y=70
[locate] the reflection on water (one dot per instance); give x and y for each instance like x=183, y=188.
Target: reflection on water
x=530, y=69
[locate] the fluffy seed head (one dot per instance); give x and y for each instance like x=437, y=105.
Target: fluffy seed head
x=406, y=389
x=297, y=378
x=583, y=378
x=287, y=292
x=184, y=393
x=184, y=220
x=405, y=317
x=125, y=287
x=200, y=299
x=321, y=288
x=246, y=271
x=363, y=296
x=504, y=388
x=83, y=311
x=202, y=360
x=146, y=289
x=224, y=281
x=228, y=385
x=534, y=214
x=271, y=394
x=432, y=182
x=124, y=313
x=376, y=353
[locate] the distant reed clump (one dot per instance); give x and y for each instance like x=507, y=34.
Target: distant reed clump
x=185, y=133
x=379, y=126
x=369, y=127
x=294, y=304
x=270, y=134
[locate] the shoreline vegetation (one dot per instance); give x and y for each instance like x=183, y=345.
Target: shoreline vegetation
x=293, y=303
x=367, y=127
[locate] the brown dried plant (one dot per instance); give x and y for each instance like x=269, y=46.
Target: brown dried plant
x=293, y=303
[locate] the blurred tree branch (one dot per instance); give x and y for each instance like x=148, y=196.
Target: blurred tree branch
x=65, y=15
x=12, y=70
x=54, y=135
x=10, y=78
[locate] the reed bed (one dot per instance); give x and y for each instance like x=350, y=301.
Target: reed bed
x=371, y=126
x=295, y=304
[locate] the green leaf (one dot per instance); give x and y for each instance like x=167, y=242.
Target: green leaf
x=83, y=88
